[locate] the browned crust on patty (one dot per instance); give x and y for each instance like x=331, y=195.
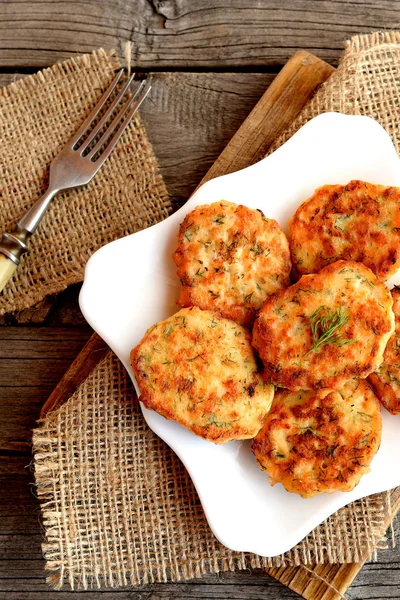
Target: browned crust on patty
x=229, y=258
x=314, y=444
x=386, y=380
x=359, y=221
x=199, y=369
x=283, y=337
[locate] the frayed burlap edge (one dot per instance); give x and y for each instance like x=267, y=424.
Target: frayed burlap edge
x=38, y=115
x=119, y=508
x=92, y=481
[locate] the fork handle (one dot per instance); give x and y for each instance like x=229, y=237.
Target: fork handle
x=31, y=219
x=7, y=268
x=13, y=245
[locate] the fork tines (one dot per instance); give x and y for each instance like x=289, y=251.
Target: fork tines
x=114, y=128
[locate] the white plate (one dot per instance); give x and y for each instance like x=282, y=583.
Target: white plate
x=131, y=283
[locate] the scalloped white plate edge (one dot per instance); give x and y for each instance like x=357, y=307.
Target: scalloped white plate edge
x=131, y=284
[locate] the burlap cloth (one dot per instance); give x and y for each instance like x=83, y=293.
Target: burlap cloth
x=118, y=506
x=38, y=115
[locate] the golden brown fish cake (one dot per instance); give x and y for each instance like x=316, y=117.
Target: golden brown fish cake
x=386, y=380
x=229, y=259
x=358, y=222
x=199, y=369
x=326, y=329
x=314, y=443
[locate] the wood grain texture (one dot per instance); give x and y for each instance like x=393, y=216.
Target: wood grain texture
x=292, y=88
x=32, y=361
x=22, y=567
x=190, y=117
x=298, y=80
x=203, y=110
x=167, y=34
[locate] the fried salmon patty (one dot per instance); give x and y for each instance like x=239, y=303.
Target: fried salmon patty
x=229, y=258
x=313, y=444
x=199, y=369
x=358, y=221
x=386, y=380
x=326, y=329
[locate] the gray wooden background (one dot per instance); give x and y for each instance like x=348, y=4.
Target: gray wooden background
x=213, y=59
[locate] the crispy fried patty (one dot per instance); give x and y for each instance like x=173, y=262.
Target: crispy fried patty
x=386, y=380
x=229, y=259
x=313, y=444
x=326, y=329
x=199, y=369
x=358, y=221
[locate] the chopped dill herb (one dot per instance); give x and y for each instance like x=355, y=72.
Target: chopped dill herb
x=220, y=219
x=181, y=319
x=364, y=416
x=247, y=298
x=168, y=330
x=256, y=250
x=213, y=323
x=200, y=272
x=325, y=324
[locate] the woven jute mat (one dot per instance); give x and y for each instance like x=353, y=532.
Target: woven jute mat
x=118, y=506
x=38, y=115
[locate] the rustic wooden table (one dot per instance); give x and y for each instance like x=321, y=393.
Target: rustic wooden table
x=213, y=59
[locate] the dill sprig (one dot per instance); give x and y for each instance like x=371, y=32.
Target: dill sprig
x=325, y=324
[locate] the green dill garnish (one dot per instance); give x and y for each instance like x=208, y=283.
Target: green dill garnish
x=325, y=324
x=181, y=319
x=364, y=416
x=219, y=220
x=213, y=323
x=340, y=219
x=227, y=360
x=247, y=299
x=200, y=272
x=168, y=330
x=225, y=424
x=256, y=250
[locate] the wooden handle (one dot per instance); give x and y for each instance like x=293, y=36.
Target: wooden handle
x=291, y=89
x=280, y=104
x=7, y=268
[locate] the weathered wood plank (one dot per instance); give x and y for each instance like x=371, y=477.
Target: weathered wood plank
x=190, y=117
x=20, y=408
x=32, y=362
x=276, y=109
x=202, y=111
x=21, y=564
x=180, y=34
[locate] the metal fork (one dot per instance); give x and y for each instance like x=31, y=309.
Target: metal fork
x=76, y=164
